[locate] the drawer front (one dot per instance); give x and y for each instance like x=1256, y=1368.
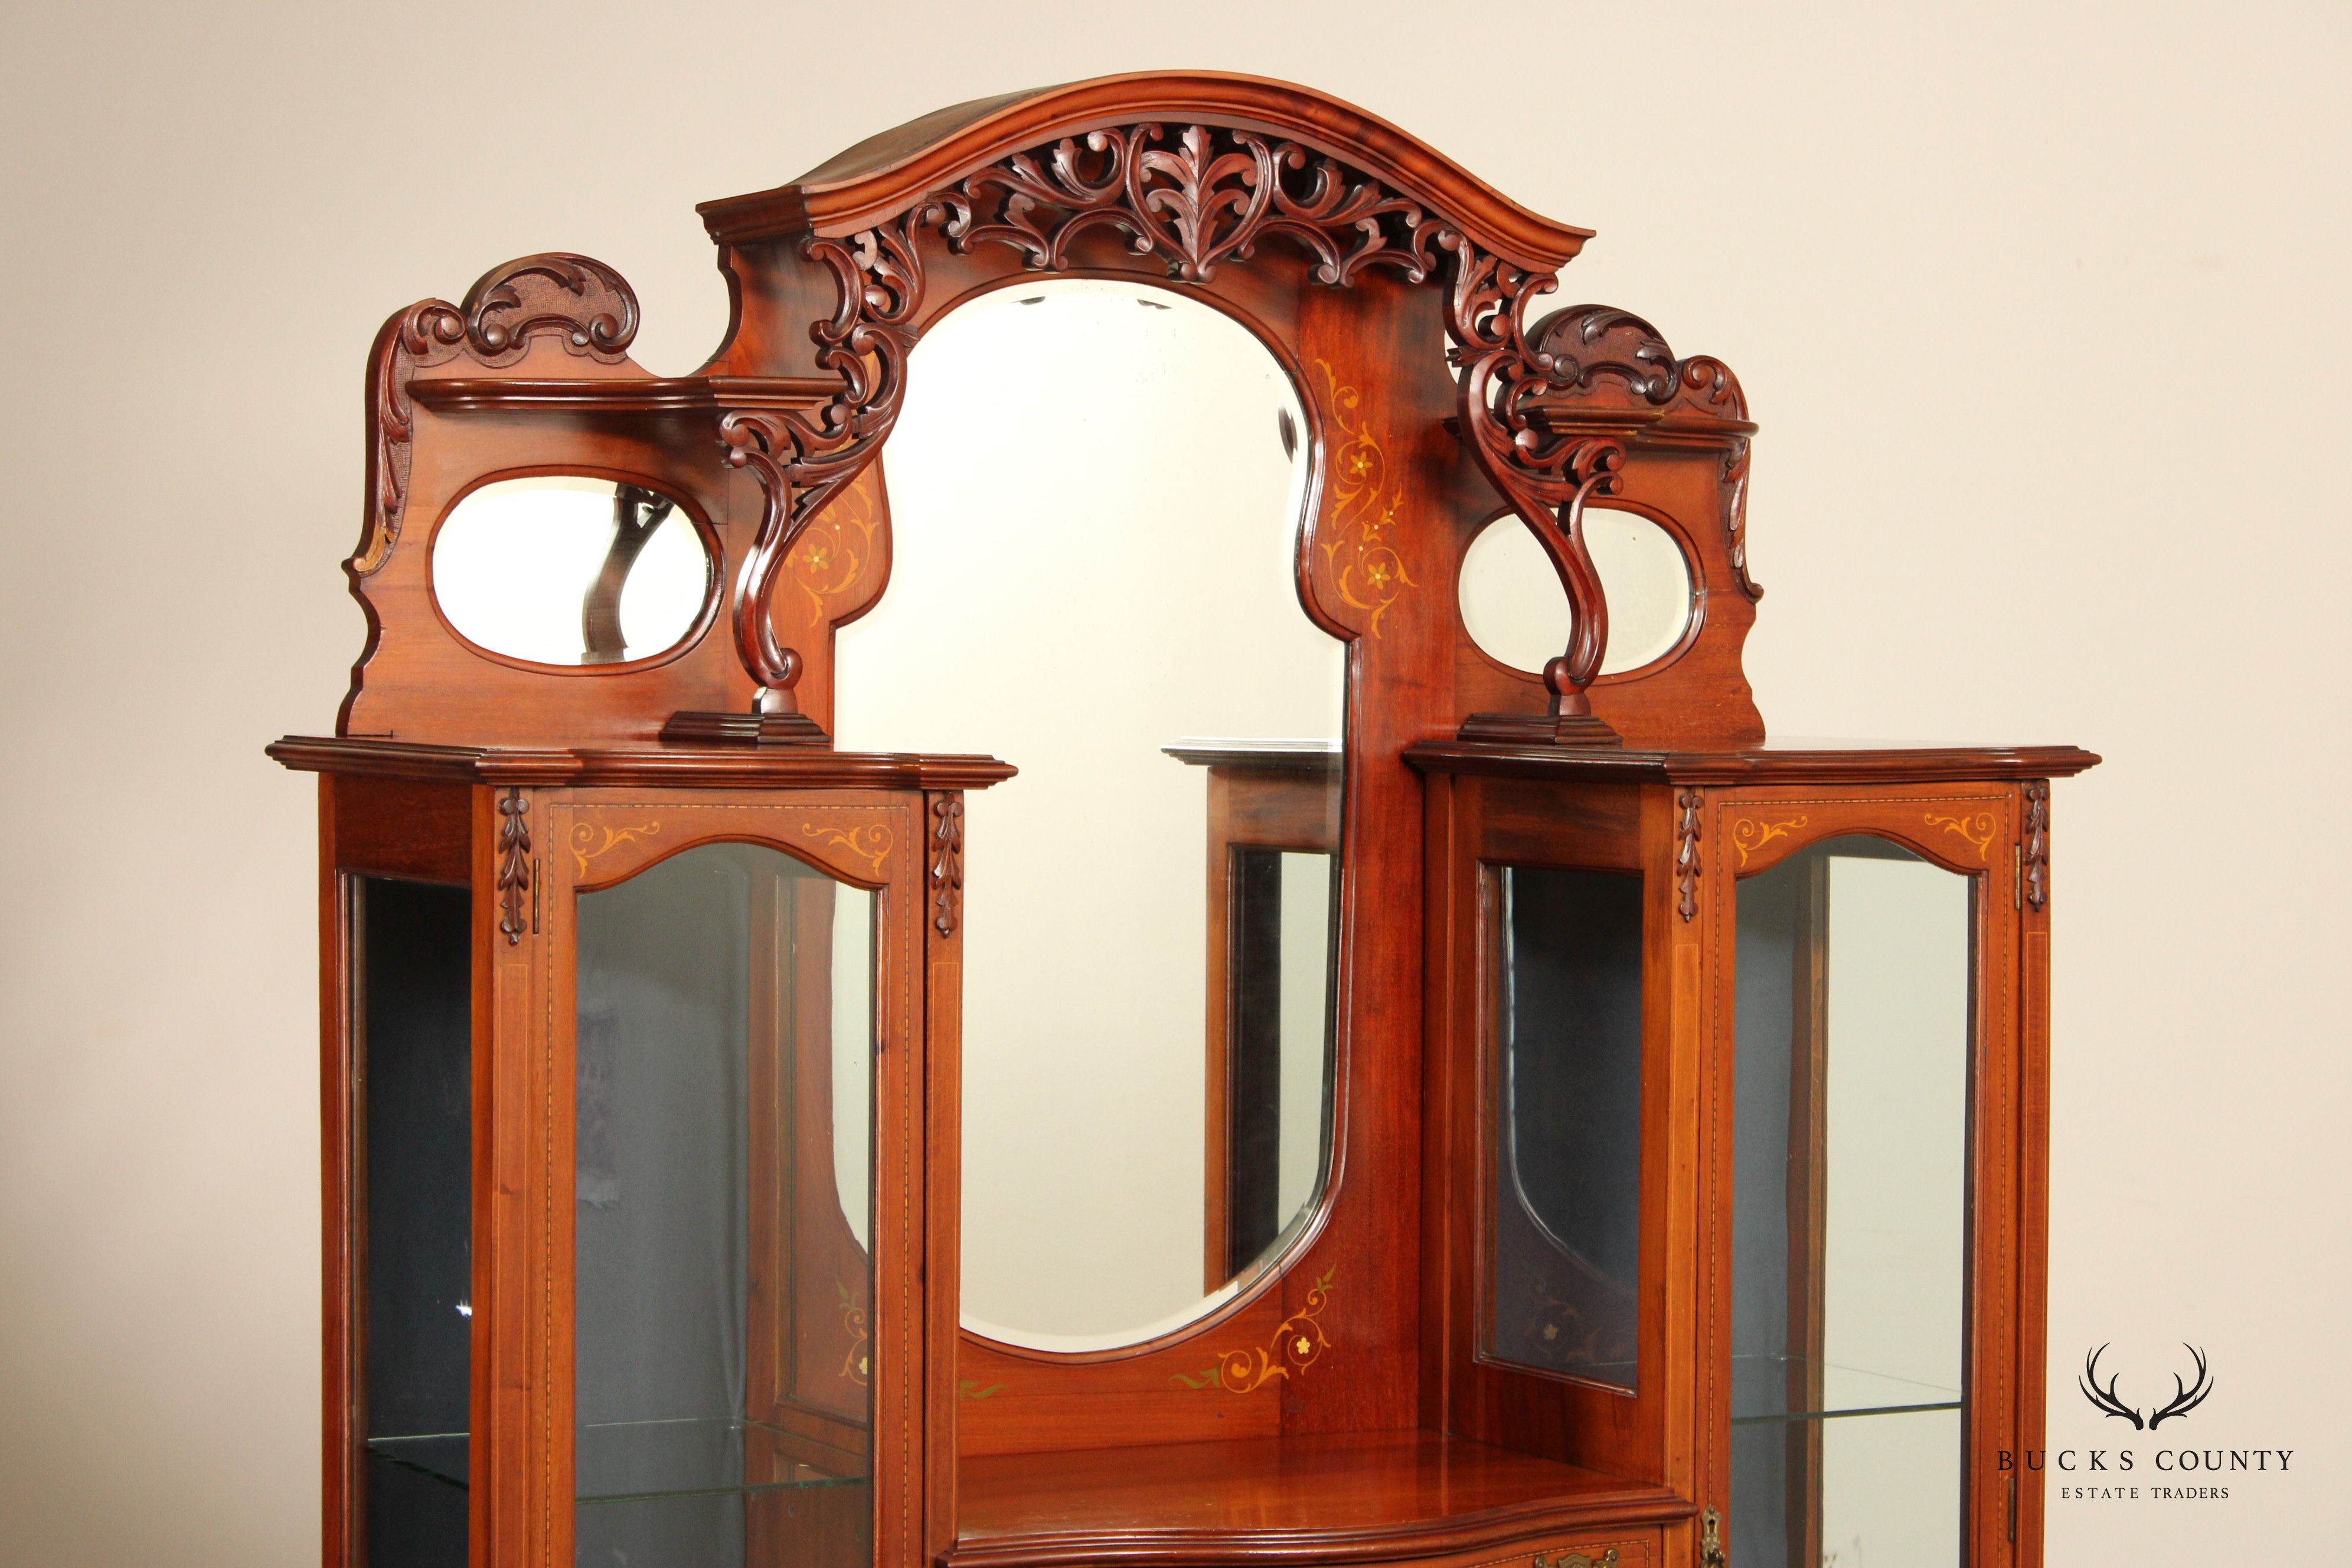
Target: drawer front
x=1606, y=1549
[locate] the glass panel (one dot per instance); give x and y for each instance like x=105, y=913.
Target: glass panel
x=1514, y=609
x=1850, y=1214
x=564, y=570
x=414, y=1012
x=723, y=1282
x=1568, y=1153
x=1139, y=585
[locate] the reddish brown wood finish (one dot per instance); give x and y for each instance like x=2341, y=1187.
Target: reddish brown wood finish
x=1350, y=1498
x=1966, y=812
x=985, y=1454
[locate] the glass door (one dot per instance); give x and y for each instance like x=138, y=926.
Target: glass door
x=721, y=1210
x=1856, y=1035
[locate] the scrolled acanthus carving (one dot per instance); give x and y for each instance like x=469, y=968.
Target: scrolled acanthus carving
x=1604, y=354
x=1197, y=197
x=585, y=301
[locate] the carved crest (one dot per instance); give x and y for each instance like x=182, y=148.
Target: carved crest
x=585, y=301
x=1197, y=197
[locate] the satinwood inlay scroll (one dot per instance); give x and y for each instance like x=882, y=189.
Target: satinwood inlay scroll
x=2036, y=867
x=1298, y=1339
x=1749, y=835
x=1976, y=829
x=869, y=842
x=591, y=839
x=946, y=869
x=514, y=864
x=1687, y=855
x=1364, y=566
x=587, y=303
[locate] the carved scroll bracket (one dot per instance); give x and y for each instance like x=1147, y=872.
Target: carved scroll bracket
x=1547, y=478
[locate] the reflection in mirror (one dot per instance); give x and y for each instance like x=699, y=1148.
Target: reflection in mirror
x=1850, y=1211
x=566, y=570
x=724, y=1010
x=1516, y=612
x=1566, y=1238
x=1136, y=586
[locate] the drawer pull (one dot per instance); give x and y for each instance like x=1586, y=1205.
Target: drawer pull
x=1577, y=1559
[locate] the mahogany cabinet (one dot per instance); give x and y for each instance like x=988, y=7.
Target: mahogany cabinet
x=1489, y=1108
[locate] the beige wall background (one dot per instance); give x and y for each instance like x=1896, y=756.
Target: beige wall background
x=2041, y=307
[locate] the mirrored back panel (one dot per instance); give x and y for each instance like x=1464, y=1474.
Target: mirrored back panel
x=1565, y=1229
x=1149, y=908
x=1850, y=1219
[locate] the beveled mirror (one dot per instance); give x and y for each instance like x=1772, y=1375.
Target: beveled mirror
x=564, y=569
x=1149, y=904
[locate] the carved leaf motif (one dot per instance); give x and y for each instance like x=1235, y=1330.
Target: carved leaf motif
x=514, y=864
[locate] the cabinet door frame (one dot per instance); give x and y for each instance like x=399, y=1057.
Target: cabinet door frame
x=536, y=850
x=1977, y=830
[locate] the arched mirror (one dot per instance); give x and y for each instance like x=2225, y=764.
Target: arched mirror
x=1516, y=612
x=564, y=569
x=1096, y=491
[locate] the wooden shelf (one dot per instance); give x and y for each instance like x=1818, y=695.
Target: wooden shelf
x=1330, y=1499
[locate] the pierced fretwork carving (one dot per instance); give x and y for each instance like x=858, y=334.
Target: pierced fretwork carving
x=1196, y=197
x=584, y=300
x=2036, y=866
x=514, y=865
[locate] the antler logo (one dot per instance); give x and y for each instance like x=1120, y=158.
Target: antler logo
x=2185, y=1399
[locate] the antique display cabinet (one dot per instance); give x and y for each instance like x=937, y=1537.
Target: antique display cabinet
x=1391, y=1067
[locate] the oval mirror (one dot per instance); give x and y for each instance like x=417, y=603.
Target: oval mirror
x=1150, y=905
x=566, y=570
x=1516, y=612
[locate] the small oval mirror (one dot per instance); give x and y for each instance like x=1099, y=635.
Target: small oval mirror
x=566, y=570
x=1517, y=611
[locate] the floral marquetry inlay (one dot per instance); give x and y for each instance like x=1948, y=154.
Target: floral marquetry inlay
x=858, y=1364
x=1364, y=567
x=830, y=559
x=1750, y=834
x=870, y=842
x=591, y=839
x=1978, y=828
x=1298, y=1342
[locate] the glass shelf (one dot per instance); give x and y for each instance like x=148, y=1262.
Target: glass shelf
x=637, y=1460
x=1760, y=1392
